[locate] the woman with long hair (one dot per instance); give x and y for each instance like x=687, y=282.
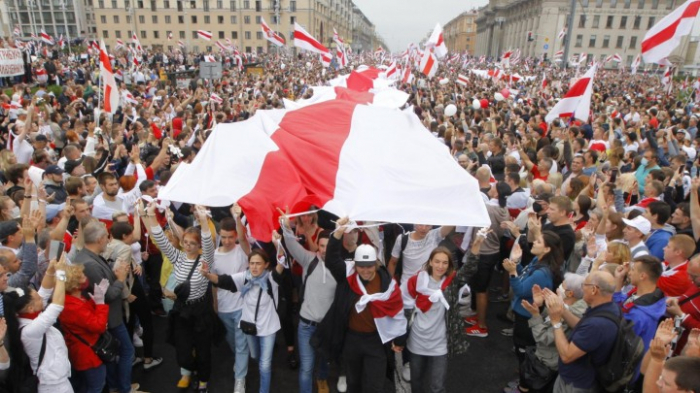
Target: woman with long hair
x=582, y=205
x=259, y=291
x=544, y=271
x=191, y=321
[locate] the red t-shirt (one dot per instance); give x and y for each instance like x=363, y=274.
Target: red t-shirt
x=675, y=281
x=536, y=173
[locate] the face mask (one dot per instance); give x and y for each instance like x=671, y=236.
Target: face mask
x=645, y=162
x=15, y=213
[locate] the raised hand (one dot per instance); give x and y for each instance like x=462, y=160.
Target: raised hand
x=665, y=332
x=537, y=295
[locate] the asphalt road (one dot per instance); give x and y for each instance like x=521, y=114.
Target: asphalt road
x=486, y=367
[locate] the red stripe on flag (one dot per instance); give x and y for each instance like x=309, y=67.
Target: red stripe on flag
x=578, y=88
x=107, y=100
x=298, y=35
x=304, y=169
x=342, y=93
x=668, y=33
x=359, y=82
x=428, y=65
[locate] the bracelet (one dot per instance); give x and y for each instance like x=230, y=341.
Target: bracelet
x=61, y=275
x=27, y=197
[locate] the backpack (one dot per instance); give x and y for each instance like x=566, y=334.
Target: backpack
x=625, y=356
x=399, y=264
x=309, y=270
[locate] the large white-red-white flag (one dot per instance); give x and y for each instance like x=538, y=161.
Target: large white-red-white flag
x=205, y=35
x=270, y=34
x=406, y=75
x=335, y=138
x=136, y=42
x=428, y=64
x=46, y=38
x=341, y=55
x=304, y=40
x=577, y=101
x=462, y=79
x=110, y=92
x=326, y=59
x=437, y=42
x=665, y=36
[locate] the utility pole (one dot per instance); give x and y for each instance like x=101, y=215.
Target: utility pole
x=65, y=25
x=569, y=31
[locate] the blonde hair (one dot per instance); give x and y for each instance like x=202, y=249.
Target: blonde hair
x=74, y=273
x=5, y=159
x=620, y=252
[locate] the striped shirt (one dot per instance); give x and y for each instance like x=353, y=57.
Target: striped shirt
x=182, y=265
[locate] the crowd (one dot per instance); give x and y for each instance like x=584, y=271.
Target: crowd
x=594, y=236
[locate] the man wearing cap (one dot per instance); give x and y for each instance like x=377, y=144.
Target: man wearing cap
x=634, y=232
x=18, y=253
x=53, y=182
x=366, y=319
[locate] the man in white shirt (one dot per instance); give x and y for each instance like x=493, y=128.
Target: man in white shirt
x=635, y=231
x=232, y=258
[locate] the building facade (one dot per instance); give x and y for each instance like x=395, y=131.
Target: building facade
x=362, y=31
x=600, y=27
x=71, y=18
x=235, y=20
x=460, y=33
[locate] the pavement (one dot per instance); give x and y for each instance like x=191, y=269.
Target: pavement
x=485, y=368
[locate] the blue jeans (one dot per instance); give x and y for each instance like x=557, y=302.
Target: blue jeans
x=91, y=380
x=307, y=356
x=119, y=374
x=237, y=340
x=261, y=349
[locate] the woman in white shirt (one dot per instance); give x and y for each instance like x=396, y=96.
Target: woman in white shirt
x=259, y=290
x=29, y=312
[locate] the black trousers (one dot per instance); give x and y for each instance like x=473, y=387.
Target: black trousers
x=193, y=332
x=141, y=309
x=152, y=267
x=365, y=360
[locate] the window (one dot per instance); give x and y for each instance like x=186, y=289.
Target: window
x=633, y=42
x=220, y=4
x=234, y=19
x=195, y=35
x=637, y=22
x=584, y=3
x=221, y=35
x=115, y=18
x=143, y=34
x=582, y=21
x=167, y=19
x=168, y=33
x=246, y=19
x=206, y=5
x=258, y=6
x=579, y=41
x=105, y=34
x=669, y=4
x=194, y=19
x=207, y=19
x=609, y=22
x=620, y=39
x=613, y=3
x=260, y=49
x=100, y=4
x=258, y=35
x=142, y=19
x=640, y=4
x=114, y=3
x=628, y=3
x=182, y=35
x=247, y=35
x=156, y=34
x=103, y=19
x=248, y=49
x=654, y=4
x=153, y=5
x=652, y=20
x=127, y=4
x=139, y=4
x=292, y=20
x=293, y=6
x=258, y=19
x=154, y=18
x=130, y=34
x=118, y=33
x=193, y=4
x=591, y=41
x=170, y=48
x=598, y=3
x=606, y=41
x=220, y=19
x=234, y=35
x=596, y=21
x=274, y=19
x=179, y=6
x=629, y=59
x=128, y=21
x=166, y=4
x=623, y=22
x=180, y=19
x=232, y=5
x=246, y=4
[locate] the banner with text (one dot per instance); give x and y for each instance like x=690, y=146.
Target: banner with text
x=11, y=62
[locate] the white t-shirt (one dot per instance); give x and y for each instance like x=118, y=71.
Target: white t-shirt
x=415, y=255
x=23, y=151
x=232, y=262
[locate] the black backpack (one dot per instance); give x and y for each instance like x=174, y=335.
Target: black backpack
x=625, y=356
x=309, y=270
x=399, y=263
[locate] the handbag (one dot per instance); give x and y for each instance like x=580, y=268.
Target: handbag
x=250, y=328
x=535, y=373
x=182, y=290
x=106, y=347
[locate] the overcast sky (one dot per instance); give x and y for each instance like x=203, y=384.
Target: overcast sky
x=401, y=22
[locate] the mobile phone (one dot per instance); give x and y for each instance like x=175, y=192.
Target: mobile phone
x=56, y=249
x=613, y=176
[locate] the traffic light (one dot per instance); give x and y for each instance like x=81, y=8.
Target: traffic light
x=530, y=36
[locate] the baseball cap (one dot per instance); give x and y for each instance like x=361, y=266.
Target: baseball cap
x=8, y=228
x=72, y=164
x=365, y=256
x=53, y=170
x=640, y=223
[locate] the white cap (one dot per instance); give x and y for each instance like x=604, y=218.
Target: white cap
x=365, y=255
x=640, y=223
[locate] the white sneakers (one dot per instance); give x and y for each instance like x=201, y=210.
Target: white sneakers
x=406, y=372
x=239, y=387
x=342, y=384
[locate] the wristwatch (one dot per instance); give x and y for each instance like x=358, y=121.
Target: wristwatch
x=61, y=275
x=557, y=325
